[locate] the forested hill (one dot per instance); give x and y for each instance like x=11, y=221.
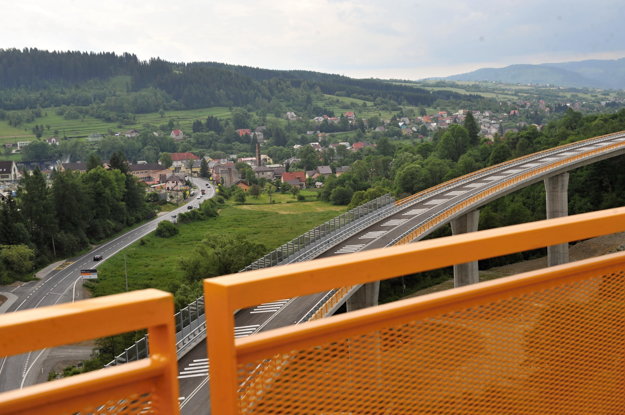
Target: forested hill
x=32, y=78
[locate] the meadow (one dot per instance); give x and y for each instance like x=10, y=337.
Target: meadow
x=155, y=262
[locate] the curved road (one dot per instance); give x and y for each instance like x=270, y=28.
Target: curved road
x=59, y=286
x=426, y=208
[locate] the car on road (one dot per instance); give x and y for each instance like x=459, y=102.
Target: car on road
x=199, y=197
x=97, y=257
x=189, y=207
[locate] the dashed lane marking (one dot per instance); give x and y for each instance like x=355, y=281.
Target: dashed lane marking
x=348, y=249
x=435, y=202
x=455, y=193
x=513, y=171
x=394, y=222
x=372, y=235
x=493, y=178
x=474, y=185
x=414, y=212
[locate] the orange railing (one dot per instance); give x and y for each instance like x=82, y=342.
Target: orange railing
x=549, y=341
x=148, y=386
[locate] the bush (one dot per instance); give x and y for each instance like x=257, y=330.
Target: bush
x=166, y=229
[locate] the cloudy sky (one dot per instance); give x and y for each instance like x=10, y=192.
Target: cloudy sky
x=407, y=39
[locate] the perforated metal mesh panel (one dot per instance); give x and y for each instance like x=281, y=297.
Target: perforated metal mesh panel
x=556, y=350
x=134, y=404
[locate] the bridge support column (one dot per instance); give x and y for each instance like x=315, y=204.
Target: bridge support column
x=557, y=188
x=467, y=273
x=366, y=296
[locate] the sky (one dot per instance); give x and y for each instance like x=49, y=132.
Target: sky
x=398, y=39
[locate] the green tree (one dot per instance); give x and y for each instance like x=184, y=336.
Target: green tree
x=12, y=228
x=220, y=255
x=454, y=142
x=341, y=195
x=37, y=151
x=270, y=189
x=239, y=196
x=93, y=161
x=255, y=191
x=166, y=160
x=37, y=209
x=309, y=157
x=166, y=229
x=204, y=172
x=472, y=128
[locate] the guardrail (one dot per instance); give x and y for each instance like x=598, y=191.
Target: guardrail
x=145, y=386
x=542, y=342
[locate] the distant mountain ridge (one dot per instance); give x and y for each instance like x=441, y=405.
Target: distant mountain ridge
x=604, y=74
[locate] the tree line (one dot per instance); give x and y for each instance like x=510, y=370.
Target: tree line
x=33, y=78
x=57, y=220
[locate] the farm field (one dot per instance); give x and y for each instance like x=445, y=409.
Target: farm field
x=56, y=125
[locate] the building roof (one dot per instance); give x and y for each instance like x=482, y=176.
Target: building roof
x=183, y=156
x=146, y=166
x=324, y=170
x=6, y=166
x=294, y=175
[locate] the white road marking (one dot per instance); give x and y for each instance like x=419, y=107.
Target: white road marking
x=474, y=185
x=435, y=202
x=271, y=307
x=372, y=235
x=348, y=249
x=414, y=212
x=493, y=178
x=513, y=171
x=394, y=222
x=455, y=193
x=245, y=330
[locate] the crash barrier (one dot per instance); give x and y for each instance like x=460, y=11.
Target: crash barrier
x=147, y=386
x=548, y=341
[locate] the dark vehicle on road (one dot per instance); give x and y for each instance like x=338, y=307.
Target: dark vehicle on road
x=97, y=257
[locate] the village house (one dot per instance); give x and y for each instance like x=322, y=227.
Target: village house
x=342, y=169
x=132, y=133
x=243, y=131
x=294, y=178
x=175, y=183
x=177, y=135
x=8, y=171
x=263, y=172
x=225, y=174
x=320, y=171
x=77, y=166
x=180, y=161
x=149, y=173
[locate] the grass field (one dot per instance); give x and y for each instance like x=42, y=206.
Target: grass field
x=89, y=125
x=154, y=262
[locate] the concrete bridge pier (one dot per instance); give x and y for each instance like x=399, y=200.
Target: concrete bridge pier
x=366, y=296
x=467, y=273
x=557, y=188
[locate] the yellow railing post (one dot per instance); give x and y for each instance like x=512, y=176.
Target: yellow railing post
x=221, y=350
